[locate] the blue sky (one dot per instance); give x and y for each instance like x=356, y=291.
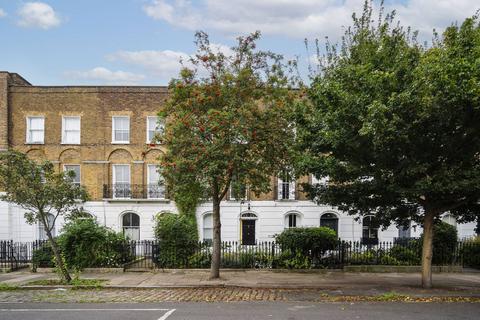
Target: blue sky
x=65, y=42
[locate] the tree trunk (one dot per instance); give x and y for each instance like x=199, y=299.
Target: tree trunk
x=58, y=257
x=427, y=249
x=215, y=267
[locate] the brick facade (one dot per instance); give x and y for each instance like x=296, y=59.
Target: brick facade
x=95, y=105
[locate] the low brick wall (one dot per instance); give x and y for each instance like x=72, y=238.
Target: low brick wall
x=399, y=269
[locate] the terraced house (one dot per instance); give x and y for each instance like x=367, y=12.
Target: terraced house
x=104, y=133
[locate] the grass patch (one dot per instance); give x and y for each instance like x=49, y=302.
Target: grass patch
x=96, y=283
x=390, y=296
x=7, y=287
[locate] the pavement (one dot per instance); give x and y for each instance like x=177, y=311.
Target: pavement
x=332, y=283
x=240, y=310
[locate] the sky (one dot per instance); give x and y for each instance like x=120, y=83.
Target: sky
x=140, y=42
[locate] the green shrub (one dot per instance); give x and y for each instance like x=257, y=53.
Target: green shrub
x=43, y=256
x=292, y=260
x=367, y=257
x=471, y=253
x=86, y=244
x=311, y=242
x=388, y=260
x=444, y=243
x=177, y=237
x=406, y=255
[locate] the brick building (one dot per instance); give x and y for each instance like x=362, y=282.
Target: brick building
x=103, y=134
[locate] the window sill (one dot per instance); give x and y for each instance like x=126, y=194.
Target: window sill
x=35, y=143
x=120, y=142
x=286, y=200
x=70, y=144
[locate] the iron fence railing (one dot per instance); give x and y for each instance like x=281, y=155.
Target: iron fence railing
x=134, y=191
x=263, y=255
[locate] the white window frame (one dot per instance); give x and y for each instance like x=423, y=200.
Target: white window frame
x=42, y=233
x=157, y=119
x=204, y=227
x=150, y=183
x=291, y=184
x=114, y=176
x=64, y=129
x=28, y=138
x=80, y=172
x=113, y=130
x=297, y=220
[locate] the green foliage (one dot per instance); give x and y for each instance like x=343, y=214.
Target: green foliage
x=307, y=241
x=86, y=244
x=40, y=191
x=232, y=122
x=289, y=259
x=42, y=257
x=471, y=253
x=406, y=255
x=7, y=287
x=302, y=248
x=395, y=125
x=177, y=237
x=445, y=238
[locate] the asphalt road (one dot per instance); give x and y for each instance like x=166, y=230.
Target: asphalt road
x=240, y=310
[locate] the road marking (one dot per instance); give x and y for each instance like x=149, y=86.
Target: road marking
x=167, y=314
x=35, y=310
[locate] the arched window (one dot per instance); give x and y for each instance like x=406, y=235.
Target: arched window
x=42, y=233
x=329, y=220
x=370, y=230
x=131, y=225
x=448, y=218
x=292, y=220
x=248, y=222
x=208, y=227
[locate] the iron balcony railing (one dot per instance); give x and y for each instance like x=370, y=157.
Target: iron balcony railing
x=134, y=191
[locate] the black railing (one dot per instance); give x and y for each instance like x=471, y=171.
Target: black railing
x=134, y=191
x=150, y=254
x=14, y=255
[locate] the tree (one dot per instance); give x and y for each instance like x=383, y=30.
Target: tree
x=226, y=119
x=42, y=192
x=394, y=125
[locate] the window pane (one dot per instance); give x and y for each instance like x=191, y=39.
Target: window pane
x=76, y=170
x=37, y=123
x=72, y=123
x=153, y=174
x=36, y=129
x=152, y=123
x=153, y=127
x=121, y=128
x=207, y=227
x=36, y=136
x=121, y=174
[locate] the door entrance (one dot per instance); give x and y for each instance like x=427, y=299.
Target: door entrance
x=248, y=232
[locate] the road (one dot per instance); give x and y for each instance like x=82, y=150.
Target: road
x=239, y=310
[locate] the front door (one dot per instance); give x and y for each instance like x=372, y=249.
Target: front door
x=248, y=232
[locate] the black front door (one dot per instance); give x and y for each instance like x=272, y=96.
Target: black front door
x=248, y=232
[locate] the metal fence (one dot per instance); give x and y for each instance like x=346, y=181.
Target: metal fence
x=14, y=255
x=264, y=255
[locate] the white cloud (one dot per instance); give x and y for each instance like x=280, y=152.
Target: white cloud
x=300, y=18
x=105, y=75
x=2, y=13
x=164, y=64
x=38, y=15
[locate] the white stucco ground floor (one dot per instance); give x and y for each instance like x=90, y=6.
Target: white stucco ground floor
x=244, y=222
